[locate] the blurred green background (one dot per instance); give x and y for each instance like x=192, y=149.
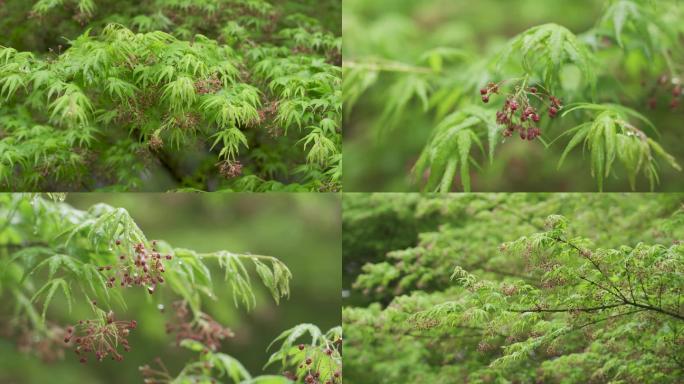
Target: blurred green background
x=404, y=30
x=302, y=230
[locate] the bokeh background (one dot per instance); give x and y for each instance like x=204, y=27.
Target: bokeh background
x=404, y=30
x=302, y=230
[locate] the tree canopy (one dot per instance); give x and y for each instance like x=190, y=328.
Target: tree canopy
x=519, y=288
x=210, y=95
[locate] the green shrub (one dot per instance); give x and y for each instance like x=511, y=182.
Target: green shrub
x=558, y=288
x=212, y=95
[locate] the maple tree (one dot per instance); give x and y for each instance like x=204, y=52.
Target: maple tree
x=493, y=288
x=236, y=95
x=600, y=98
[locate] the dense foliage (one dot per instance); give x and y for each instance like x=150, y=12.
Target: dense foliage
x=518, y=288
x=54, y=254
x=592, y=87
x=210, y=95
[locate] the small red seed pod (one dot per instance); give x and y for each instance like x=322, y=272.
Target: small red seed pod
x=555, y=101
x=483, y=91
x=485, y=99
x=301, y=347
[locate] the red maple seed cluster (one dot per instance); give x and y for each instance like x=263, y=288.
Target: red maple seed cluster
x=45, y=344
x=203, y=329
x=155, y=142
x=157, y=375
x=144, y=268
x=230, y=169
x=186, y=121
x=269, y=111
x=102, y=338
x=313, y=376
x=518, y=113
x=673, y=87
x=81, y=18
x=211, y=85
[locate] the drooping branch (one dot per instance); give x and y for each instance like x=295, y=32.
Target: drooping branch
x=556, y=310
